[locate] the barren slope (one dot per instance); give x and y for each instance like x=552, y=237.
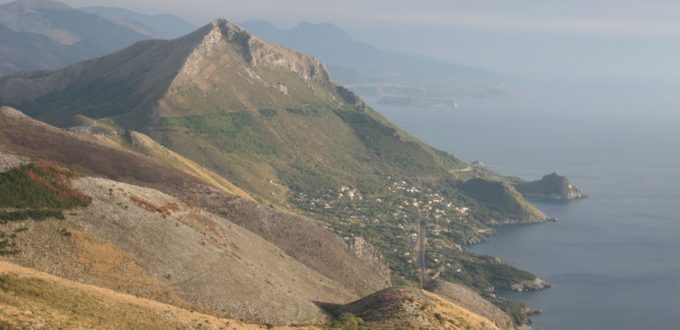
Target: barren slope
x=302, y=239
x=31, y=299
x=142, y=241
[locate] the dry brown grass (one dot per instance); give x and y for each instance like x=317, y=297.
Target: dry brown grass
x=30, y=299
x=59, y=248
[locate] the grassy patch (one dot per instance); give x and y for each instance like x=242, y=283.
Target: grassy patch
x=497, y=200
x=103, y=99
x=231, y=132
x=305, y=110
x=388, y=146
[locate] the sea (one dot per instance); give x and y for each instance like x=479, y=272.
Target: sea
x=613, y=259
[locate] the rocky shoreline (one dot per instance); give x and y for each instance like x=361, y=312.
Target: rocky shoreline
x=536, y=284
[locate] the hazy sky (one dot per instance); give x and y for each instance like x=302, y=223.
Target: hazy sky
x=599, y=38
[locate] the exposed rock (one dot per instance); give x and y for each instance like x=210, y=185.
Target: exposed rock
x=8, y=162
x=352, y=98
x=365, y=251
x=536, y=284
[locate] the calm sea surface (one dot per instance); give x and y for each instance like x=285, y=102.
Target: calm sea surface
x=613, y=259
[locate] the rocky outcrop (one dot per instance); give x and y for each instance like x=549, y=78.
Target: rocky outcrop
x=8, y=162
x=552, y=186
x=222, y=34
x=364, y=250
x=536, y=284
x=351, y=98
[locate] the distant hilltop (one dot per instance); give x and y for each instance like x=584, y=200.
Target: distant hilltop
x=552, y=186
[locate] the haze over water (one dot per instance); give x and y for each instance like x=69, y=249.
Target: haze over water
x=613, y=258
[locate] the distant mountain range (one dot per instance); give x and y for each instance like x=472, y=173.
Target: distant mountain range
x=31, y=51
x=164, y=26
x=351, y=60
x=383, y=73
x=42, y=34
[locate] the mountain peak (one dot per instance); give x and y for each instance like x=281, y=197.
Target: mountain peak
x=221, y=34
x=222, y=29
x=224, y=23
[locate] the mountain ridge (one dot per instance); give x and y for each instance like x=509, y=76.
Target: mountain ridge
x=271, y=121
x=168, y=26
x=339, y=50
x=65, y=35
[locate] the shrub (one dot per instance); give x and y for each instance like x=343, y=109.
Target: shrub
x=268, y=112
x=39, y=186
x=348, y=321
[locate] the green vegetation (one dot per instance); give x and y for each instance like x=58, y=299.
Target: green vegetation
x=35, y=186
x=38, y=192
x=386, y=144
x=498, y=201
x=117, y=97
x=268, y=112
x=348, y=321
x=518, y=311
x=7, y=244
x=231, y=132
x=484, y=272
x=305, y=110
x=35, y=214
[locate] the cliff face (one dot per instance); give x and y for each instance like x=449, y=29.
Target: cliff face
x=552, y=186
